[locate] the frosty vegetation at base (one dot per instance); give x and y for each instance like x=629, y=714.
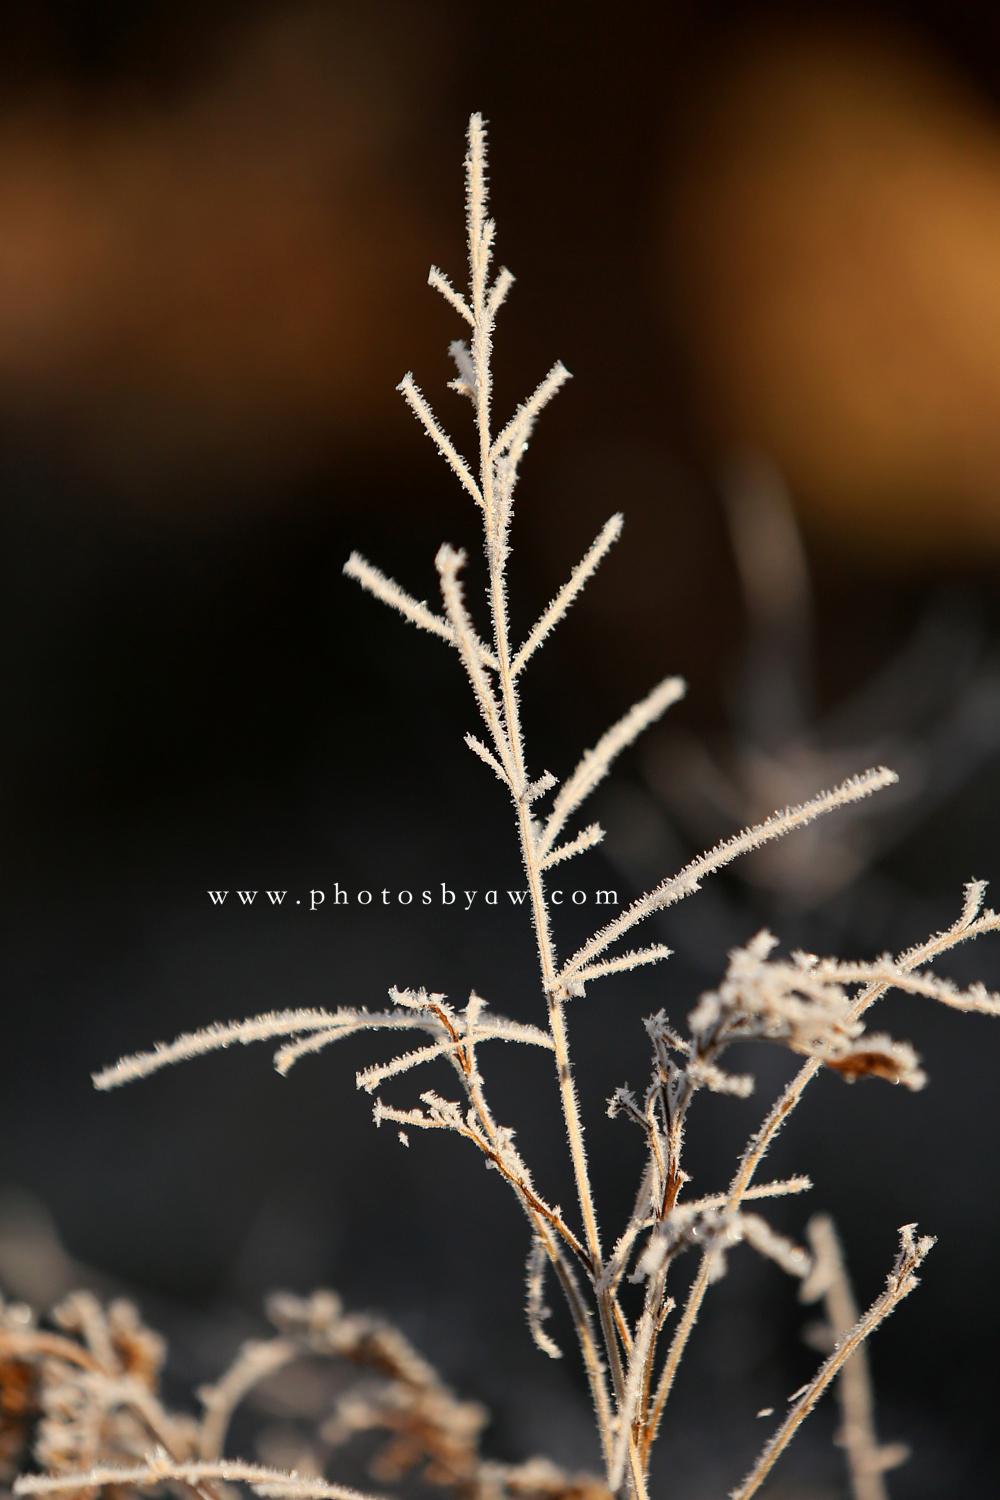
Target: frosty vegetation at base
x=631, y=1344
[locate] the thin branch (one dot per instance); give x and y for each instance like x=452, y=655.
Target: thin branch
x=535, y=1304
x=478, y=748
x=414, y=610
x=262, y=1479
x=584, y=570
x=257, y=1360
x=370, y=1078
x=439, y=281
x=688, y=880
x=417, y=403
x=778, y=1189
x=593, y=834
x=498, y=293
x=514, y=437
x=448, y=563
x=211, y=1039
x=902, y=1280
x=622, y=962
x=595, y=764
x=828, y=1279
x=889, y=975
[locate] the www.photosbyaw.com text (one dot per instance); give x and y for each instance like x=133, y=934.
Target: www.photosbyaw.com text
x=438, y=895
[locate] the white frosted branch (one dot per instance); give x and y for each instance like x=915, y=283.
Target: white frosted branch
x=480, y=1028
x=261, y=1478
x=591, y=835
x=778, y=1189
x=631, y=1395
x=498, y=1028
x=622, y=962
x=417, y=1117
x=901, y=1282
x=370, y=1078
x=343, y=1023
x=478, y=748
x=498, y=293
x=211, y=1039
x=688, y=880
x=828, y=1279
x=479, y=228
x=465, y=382
x=584, y=570
x=418, y=404
x=976, y=998
x=439, y=281
x=515, y=435
x=414, y=610
x=538, y=788
x=448, y=562
x=595, y=764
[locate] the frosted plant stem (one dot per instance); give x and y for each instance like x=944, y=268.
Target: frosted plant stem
x=161, y=1470
x=480, y=236
x=866, y=1460
x=557, y=1025
x=543, y=1224
x=900, y=1283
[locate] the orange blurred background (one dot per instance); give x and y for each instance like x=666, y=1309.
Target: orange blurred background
x=209, y=225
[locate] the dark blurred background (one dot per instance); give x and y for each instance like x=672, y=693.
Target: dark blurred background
x=766, y=240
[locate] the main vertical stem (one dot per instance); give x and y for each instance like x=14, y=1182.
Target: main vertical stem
x=494, y=519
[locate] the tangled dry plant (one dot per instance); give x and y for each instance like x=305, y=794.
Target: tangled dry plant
x=92, y=1386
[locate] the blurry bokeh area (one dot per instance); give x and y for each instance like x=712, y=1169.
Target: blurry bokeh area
x=766, y=241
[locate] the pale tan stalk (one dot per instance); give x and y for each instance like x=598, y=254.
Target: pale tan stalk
x=263, y=1480
x=902, y=1281
x=590, y=836
x=420, y=407
x=415, y=610
x=542, y=1224
x=511, y=751
x=867, y=1461
x=595, y=764
x=688, y=880
x=554, y=612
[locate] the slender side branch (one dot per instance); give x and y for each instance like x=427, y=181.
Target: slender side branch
x=595, y=764
x=654, y=954
x=262, y=1480
x=593, y=834
x=867, y=1461
x=439, y=281
x=902, y=1280
x=514, y=437
x=417, y=402
x=688, y=880
x=584, y=570
x=212, y=1039
x=448, y=563
x=414, y=610
x=478, y=748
